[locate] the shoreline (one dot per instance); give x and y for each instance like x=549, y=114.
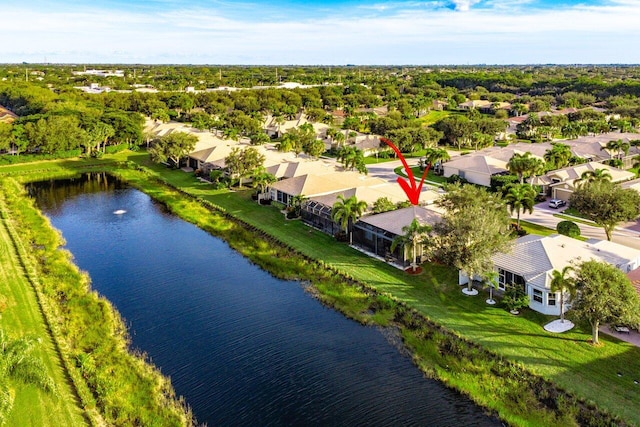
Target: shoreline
x=438, y=352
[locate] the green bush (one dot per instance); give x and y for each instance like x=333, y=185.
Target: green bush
x=456, y=179
x=568, y=228
x=112, y=149
x=498, y=182
x=10, y=159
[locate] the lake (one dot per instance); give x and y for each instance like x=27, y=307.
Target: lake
x=242, y=347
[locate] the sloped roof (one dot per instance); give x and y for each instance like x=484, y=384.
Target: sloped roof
x=394, y=221
x=479, y=163
x=634, y=277
x=570, y=174
x=535, y=257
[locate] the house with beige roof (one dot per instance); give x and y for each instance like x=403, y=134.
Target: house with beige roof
x=532, y=259
x=316, y=211
x=311, y=185
x=476, y=103
x=7, y=116
x=477, y=169
x=375, y=233
x=561, y=183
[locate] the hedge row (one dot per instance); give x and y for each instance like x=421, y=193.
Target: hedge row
x=502, y=386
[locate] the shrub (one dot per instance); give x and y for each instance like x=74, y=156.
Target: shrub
x=456, y=179
x=498, y=182
x=568, y=228
x=514, y=298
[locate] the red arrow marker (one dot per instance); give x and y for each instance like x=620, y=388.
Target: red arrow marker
x=411, y=189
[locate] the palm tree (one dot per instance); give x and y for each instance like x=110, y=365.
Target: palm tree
x=279, y=120
x=559, y=155
x=491, y=279
x=296, y=203
x=520, y=198
x=413, y=236
x=524, y=165
x=562, y=282
x=347, y=211
x=339, y=139
x=593, y=177
x=617, y=146
x=18, y=362
x=433, y=155
x=261, y=179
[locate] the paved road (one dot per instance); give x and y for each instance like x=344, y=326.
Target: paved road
x=625, y=234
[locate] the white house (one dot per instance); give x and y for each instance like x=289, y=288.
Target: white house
x=533, y=259
x=477, y=169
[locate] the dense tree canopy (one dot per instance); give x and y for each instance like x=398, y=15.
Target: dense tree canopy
x=606, y=204
x=604, y=294
x=475, y=226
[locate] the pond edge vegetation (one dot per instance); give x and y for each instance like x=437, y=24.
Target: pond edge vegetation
x=504, y=388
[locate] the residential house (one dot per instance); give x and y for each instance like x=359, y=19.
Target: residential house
x=477, y=169
x=533, y=258
x=317, y=210
x=311, y=185
x=561, y=183
x=475, y=104
x=7, y=116
x=375, y=233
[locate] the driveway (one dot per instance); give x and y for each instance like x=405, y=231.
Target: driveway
x=625, y=234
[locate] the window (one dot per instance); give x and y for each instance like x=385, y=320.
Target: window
x=551, y=299
x=537, y=295
x=507, y=278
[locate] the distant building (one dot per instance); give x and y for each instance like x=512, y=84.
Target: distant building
x=99, y=73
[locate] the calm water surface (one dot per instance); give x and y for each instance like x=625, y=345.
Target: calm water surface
x=242, y=347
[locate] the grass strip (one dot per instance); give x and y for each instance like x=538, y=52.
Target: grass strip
x=567, y=360
x=24, y=316
x=116, y=387
x=493, y=381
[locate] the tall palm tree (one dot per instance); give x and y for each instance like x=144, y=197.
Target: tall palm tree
x=17, y=362
x=261, y=179
x=347, y=211
x=593, y=177
x=562, y=282
x=523, y=165
x=619, y=147
x=559, y=155
x=520, y=198
x=433, y=155
x=413, y=237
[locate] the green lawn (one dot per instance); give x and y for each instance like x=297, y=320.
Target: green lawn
x=33, y=407
x=567, y=359
x=417, y=174
x=434, y=116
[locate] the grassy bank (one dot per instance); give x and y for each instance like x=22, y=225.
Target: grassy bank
x=567, y=360
x=499, y=378
x=114, y=386
x=493, y=381
x=22, y=317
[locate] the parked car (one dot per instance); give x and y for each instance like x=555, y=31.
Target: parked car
x=557, y=203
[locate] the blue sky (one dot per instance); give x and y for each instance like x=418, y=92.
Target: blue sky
x=321, y=32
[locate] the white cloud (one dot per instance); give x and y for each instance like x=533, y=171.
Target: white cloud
x=421, y=35
x=463, y=5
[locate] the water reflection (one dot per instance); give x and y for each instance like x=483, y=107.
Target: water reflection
x=243, y=347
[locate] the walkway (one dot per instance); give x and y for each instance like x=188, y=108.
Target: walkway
x=633, y=337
